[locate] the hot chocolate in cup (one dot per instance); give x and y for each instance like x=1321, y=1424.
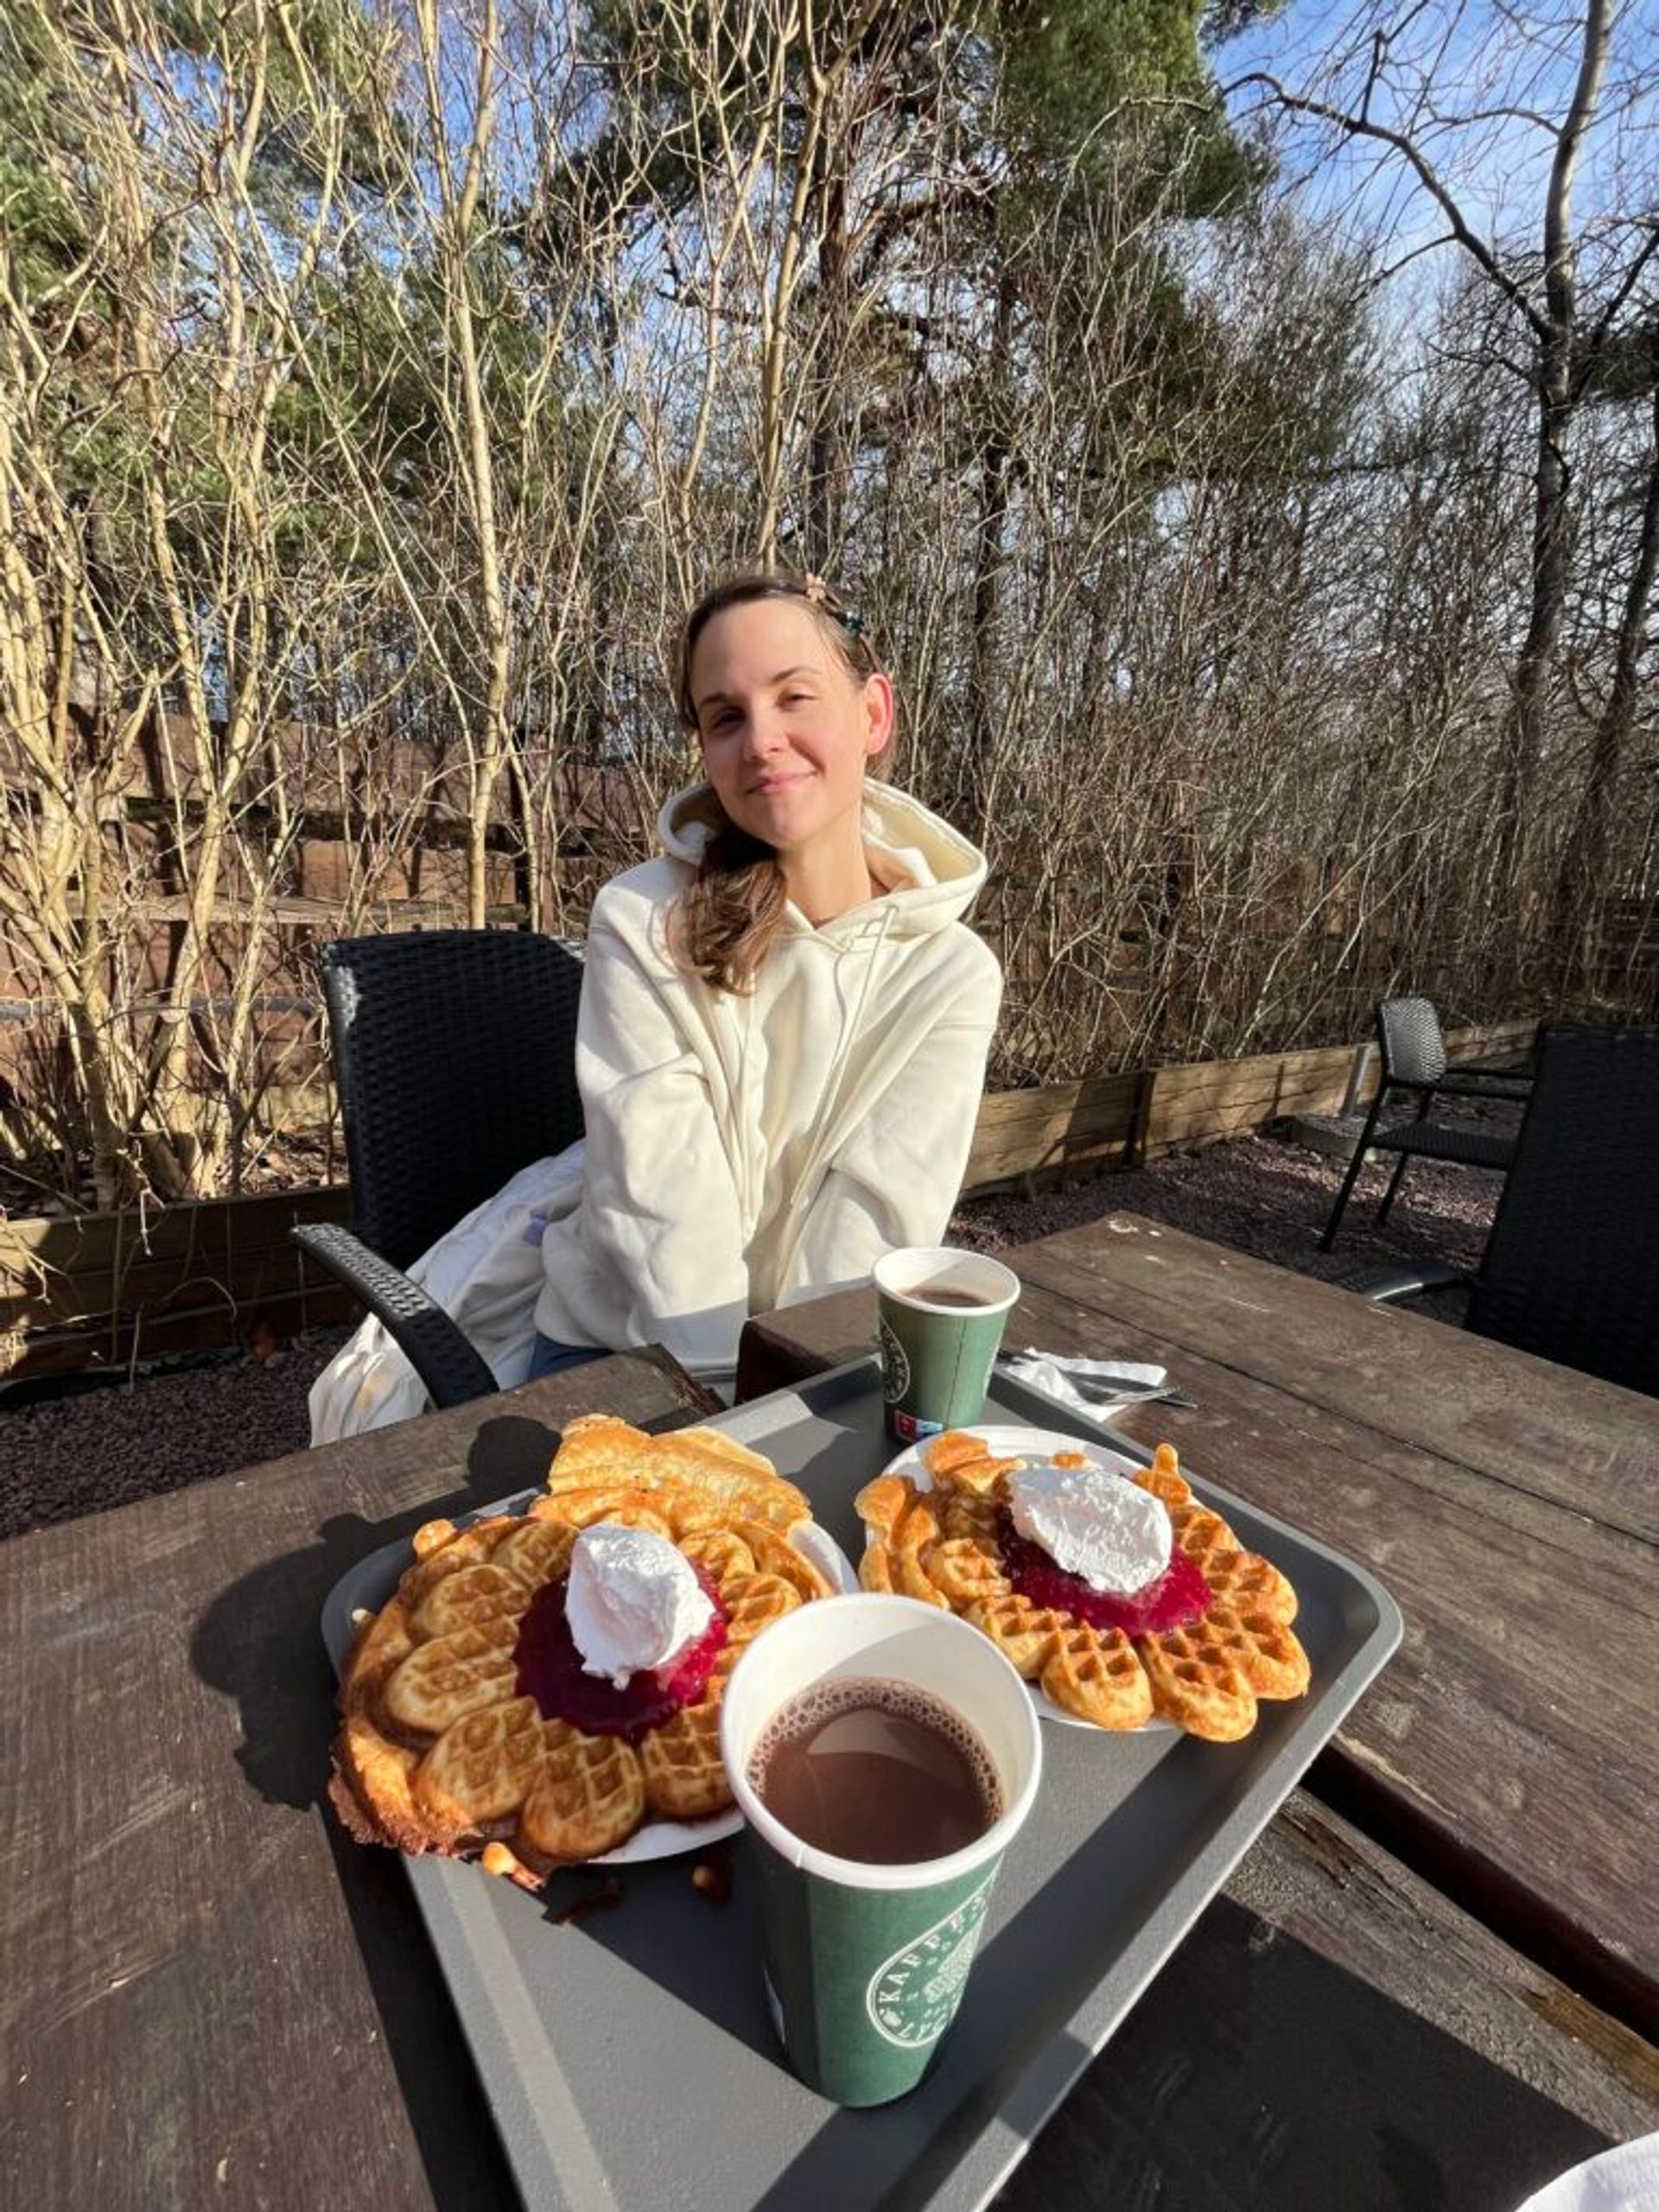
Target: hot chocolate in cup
x=866, y=1960
x=941, y=1314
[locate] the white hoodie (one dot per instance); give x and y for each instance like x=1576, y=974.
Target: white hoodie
x=740, y=1151
x=744, y=1150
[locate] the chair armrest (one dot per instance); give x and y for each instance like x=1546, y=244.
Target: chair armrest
x=1476, y=1082
x=439, y=1354
x=1379, y=1285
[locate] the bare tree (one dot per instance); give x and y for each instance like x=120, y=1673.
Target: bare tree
x=1405, y=103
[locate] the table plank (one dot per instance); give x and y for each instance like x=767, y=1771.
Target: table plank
x=1509, y=1747
x=210, y=1996
x=1525, y=1422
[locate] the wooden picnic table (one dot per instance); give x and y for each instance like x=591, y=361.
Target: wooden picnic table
x=214, y=1998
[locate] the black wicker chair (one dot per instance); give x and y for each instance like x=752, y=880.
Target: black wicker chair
x=1571, y=1270
x=455, y=1050
x=1413, y=1059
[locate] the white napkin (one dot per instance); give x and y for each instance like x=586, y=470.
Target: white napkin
x=1052, y=1373
x=1623, y=2179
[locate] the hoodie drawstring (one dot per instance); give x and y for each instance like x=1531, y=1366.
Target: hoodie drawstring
x=872, y=933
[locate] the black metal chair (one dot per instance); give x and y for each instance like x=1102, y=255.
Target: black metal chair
x=455, y=1050
x=1571, y=1270
x=1412, y=1052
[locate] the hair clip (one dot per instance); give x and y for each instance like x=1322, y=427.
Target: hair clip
x=815, y=589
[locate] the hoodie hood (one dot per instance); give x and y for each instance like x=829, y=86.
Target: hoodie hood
x=929, y=872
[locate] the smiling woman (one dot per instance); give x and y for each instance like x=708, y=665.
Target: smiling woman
x=791, y=707
x=782, y=1043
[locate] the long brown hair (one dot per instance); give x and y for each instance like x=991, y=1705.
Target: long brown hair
x=727, y=920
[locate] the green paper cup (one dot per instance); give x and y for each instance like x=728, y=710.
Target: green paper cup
x=942, y=1315
x=865, y=1965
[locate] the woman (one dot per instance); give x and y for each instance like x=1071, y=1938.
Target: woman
x=782, y=1041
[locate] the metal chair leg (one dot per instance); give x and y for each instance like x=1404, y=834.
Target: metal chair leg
x=1351, y=1176
x=1399, y=1174
x=1394, y=1181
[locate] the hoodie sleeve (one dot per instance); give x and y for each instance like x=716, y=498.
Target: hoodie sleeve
x=895, y=1179
x=662, y=1230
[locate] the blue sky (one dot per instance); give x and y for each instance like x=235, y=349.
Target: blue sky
x=1449, y=60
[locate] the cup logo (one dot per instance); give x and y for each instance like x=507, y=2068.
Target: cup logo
x=895, y=1364
x=912, y=1997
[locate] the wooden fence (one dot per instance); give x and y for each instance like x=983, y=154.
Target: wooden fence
x=100, y=1291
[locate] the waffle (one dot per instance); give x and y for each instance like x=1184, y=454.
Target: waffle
x=441, y=1549
x=684, y=1775
x=1096, y=1673
x=881, y=1503
x=966, y=1570
x=958, y=1460
x=1207, y=1678
x=438, y=1750
x=1244, y=1581
x=875, y=1568
x=620, y=1504
x=914, y=1536
x=755, y=1601
x=589, y=1796
x=720, y=1553
x=1025, y=1634
x=773, y=1556
x=718, y=1481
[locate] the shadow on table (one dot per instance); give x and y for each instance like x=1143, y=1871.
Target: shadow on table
x=1255, y=2076
x=260, y=1643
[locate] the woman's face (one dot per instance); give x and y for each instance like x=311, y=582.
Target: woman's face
x=786, y=726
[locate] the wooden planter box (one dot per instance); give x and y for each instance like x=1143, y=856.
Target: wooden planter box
x=1122, y=1121
x=103, y=1290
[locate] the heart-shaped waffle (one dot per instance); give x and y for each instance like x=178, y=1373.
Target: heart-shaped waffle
x=1025, y=1634
x=589, y=1796
x=946, y=1545
x=684, y=1774
x=443, y=1747
x=1096, y=1673
x=755, y=1601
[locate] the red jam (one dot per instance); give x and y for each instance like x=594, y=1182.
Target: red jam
x=1179, y=1595
x=549, y=1670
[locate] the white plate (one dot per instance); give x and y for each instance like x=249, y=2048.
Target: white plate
x=667, y=1839
x=1036, y=1444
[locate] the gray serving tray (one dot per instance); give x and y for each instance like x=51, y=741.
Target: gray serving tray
x=628, y=2057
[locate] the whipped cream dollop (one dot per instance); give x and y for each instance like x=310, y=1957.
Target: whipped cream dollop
x=632, y=1601
x=1103, y=1528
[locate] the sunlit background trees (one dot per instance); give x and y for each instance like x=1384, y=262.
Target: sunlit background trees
x=1268, y=583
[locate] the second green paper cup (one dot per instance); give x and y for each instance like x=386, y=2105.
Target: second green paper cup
x=942, y=1315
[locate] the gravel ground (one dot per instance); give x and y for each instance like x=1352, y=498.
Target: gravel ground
x=84, y=1451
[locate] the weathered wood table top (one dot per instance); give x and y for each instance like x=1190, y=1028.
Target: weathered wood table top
x=212, y=1998
x=1510, y=1506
